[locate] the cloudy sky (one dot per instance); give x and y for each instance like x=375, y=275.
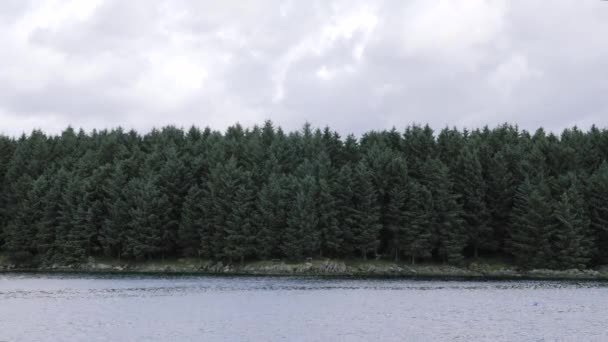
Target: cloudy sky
x=352, y=65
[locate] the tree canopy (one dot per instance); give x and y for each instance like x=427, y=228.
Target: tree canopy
x=262, y=193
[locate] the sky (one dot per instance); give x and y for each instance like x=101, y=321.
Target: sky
x=352, y=65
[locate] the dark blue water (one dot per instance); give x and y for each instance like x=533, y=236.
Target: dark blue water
x=147, y=308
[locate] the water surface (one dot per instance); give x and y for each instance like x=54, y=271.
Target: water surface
x=35, y=307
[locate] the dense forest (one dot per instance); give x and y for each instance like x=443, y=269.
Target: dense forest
x=260, y=193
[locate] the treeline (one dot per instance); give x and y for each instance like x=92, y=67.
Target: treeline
x=262, y=193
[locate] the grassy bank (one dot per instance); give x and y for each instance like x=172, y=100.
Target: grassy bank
x=480, y=269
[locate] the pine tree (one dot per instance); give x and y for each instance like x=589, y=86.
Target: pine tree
x=115, y=229
x=532, y=225
x=499, y=197
x=447, y=223
x=597, y=194
x=147, y=210
x=227, y=231
x=271, y=215
x=396, y=198
x=416, y=234
x=72, y=228
x=7, y=147
x=330, y=235
x=21, y=230
x=47, y=228
x=571, y=243
x=173, y=182
x=418, y=145
x=471, y=187
x=193, y=213
x=238, y=230
x=366, y=221
x=301, y=236
x=346, y=214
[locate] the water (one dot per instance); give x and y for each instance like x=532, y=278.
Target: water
x=148, y=308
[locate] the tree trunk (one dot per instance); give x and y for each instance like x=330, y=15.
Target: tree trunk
x=396, y=254
x=413, y=260
x=476, y=252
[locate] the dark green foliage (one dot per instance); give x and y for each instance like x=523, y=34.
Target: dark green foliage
x=262, y=193
x=471, y=186
x=193, y=212
x=597, y=194
x=271, y=215
x=365, y=224
x=302, y=237
x=532, y=226
x=416, y=237
x=147, y=216
x=571, y=238
x=227, y=231
x=448, y=229
x=346, y=211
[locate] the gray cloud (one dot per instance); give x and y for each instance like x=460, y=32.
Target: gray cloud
x=353, y=65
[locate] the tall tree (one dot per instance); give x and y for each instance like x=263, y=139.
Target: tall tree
x=571, y=242
x=597, y=197
x=302, y=236
x=471, y=187
x=532, y=225
x=366, y=226
x=449, y=231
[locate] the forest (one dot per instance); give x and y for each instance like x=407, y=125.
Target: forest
x=538, y=199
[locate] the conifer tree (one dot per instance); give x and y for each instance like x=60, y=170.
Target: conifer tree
x=499, y=196
x=21, y=229
x=148, y=208
x=416, y=237
x=571, y=242
x=238, y=230
x=366, y=221
x=597, y=197
x=447, y=213
x=72, y=227
x=115, y=229
x=471, y=187
x=532, y=225
x=227, y=231
x=346, y=209
x=271, y=215
x=330, y=235
x=302, y=238
x=397, y=193
x=193, y=213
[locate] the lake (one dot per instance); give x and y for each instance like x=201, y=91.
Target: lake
x=41, y=307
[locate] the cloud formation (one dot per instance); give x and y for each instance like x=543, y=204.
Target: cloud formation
x=353, y=65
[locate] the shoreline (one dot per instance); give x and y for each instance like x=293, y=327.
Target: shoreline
x=317, y=268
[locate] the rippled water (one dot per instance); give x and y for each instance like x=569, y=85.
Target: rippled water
x=153, y=308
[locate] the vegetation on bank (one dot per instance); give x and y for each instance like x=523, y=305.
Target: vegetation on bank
x=482, y=268
x=263, y=194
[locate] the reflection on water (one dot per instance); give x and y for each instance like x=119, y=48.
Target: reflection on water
x=196, y=308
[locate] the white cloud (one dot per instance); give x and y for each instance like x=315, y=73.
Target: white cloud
x=453, y=30
x=514, y=70
x=342, y=26
x=354, y=65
